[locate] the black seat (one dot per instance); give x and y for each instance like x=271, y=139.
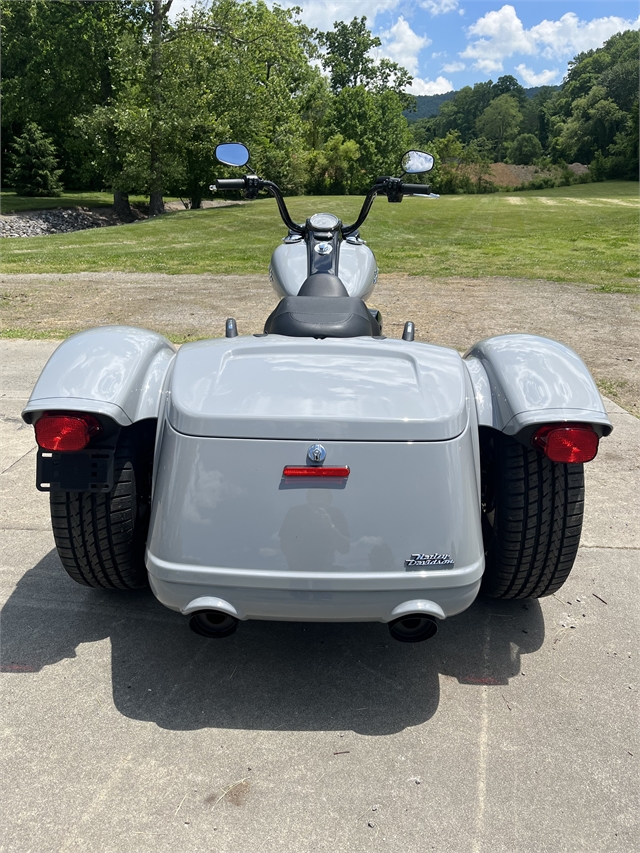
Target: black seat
x=323, y=284
x=322, y=317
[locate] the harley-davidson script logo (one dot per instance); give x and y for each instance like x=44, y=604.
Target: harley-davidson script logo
x=419, y=560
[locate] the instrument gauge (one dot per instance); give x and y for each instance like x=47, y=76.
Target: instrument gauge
x=324, y=221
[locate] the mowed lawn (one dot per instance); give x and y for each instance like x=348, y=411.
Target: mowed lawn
x=11, y=203
x=585, y=233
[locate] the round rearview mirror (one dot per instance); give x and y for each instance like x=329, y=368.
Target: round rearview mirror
x=232, y=154
x=417, y=162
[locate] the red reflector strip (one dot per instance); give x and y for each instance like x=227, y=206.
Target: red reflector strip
x=568, y=443
x=65, y=432
x=310, y=471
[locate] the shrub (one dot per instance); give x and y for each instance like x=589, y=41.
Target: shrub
x=525, y=149
x=34, y=170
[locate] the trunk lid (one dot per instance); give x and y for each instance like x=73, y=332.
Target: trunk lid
x=359, y=389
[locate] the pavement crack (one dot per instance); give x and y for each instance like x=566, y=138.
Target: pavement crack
x=609, y=548
x=13, y=464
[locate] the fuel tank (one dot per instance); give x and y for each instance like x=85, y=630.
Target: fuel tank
x=402, y=525
x=356, y=268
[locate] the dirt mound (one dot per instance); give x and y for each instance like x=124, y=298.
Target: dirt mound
x=509, y=175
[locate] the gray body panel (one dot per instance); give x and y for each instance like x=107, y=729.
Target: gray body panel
x=524, y=380
x=356, y=389
x=228, y=532
x=115, y=371
x=356, y=268
x=226, y=524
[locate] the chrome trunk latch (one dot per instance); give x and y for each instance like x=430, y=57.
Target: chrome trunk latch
x=316, y=454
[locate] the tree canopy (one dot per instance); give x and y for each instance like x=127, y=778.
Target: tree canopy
x=126, y=98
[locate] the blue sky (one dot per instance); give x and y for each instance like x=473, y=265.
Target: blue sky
x=447, y=44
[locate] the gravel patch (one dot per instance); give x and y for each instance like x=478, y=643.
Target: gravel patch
x=604, y=328
x=39, y=223
x=43, y=222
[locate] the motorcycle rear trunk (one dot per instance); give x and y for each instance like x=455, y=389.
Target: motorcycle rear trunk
x=400, y=534
x=318, y=471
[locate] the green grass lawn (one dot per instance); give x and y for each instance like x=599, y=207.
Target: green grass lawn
x=585, y=233
x=12, y=203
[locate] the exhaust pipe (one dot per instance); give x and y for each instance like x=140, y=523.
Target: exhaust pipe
x=413, y=628
x=213, y=623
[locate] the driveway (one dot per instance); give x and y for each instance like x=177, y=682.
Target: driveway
x=514, y=729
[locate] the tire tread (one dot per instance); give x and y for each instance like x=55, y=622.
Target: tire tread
x=99, y=537
x=539, y=505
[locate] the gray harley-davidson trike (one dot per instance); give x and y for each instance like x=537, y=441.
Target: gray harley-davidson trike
x=318, y=471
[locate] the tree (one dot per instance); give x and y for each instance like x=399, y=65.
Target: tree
x=499, y=123
x=461, y=167
x=348, y=60
x=593, y=125
x=594, y=118
x=525, y=149
x=613, y=65
x=463, y=110
x=623, y=151
x=374, y=121
x=535, y=114
x=57, y=65
x=368, y=102
x=158, y=25
x=423, y=132
x=34, y=172
x=332, y=169
x=508, y=85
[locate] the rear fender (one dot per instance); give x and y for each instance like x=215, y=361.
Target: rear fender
x=523, y=381
x=115, y=372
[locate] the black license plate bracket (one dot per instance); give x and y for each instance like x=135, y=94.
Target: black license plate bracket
x=78, y=471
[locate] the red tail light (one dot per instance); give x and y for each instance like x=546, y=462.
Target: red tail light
x=65, y=432
x=567, y=442
x=341, y=471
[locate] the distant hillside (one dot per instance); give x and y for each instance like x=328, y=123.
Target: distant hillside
x=428, y=105
x=533, y=91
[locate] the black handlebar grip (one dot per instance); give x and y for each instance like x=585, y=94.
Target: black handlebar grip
x=420, y=189
x=230, y=183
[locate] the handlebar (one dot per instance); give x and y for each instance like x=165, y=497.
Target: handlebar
x=252, y=183
x=230, y=183
x=416, y=189
x=393, y=188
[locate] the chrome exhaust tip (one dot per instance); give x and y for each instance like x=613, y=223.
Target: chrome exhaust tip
x=213, y=624
x=413, y=628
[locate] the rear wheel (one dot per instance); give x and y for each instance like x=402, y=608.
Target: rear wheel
x=101, y=537
x=532, y=512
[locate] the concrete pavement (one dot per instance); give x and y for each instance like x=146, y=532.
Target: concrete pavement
x=515, y=729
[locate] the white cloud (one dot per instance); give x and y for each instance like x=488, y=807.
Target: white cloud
x=323, y=13
x=501, y=34
x=430, y=87
x=402, y=45
x=315, y=13
x=179, y=6
x=452, y=67
x=439, y=7
x=544, y=78
x=570, y=35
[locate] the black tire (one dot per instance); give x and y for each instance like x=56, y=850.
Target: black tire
x=101, y=537
x=532, y=512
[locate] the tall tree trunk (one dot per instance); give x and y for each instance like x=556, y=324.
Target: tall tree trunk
x=159, y=15
x=195, y=195
x=121, y=206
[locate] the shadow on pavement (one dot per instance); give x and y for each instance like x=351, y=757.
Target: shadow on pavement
x=269, y=675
